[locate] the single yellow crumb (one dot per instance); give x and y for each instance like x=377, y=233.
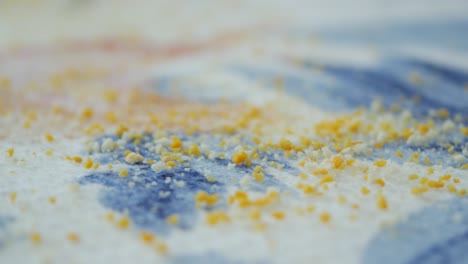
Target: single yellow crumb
x=88, y=163
x=239, y=157
x=399, y=154
x=176, y=142
x=13, y=197
x=73, y=237
x=379, y=182
x=382, y=202
x=325, y=217
x=161, y=248
x=416, y=190
x=337, y=161
x=327, y=179
x=77, y=159
x=123, y=223
x=87, y=113
x=173, y=219
x=49, y=137
x=123, y=173
x=147, y=237
x=110, y=216
x=413, y=177
x=365, y=190
x=380, y=163
x=11, y=152
x=36, y=238
x=52, y=200
x=278, y=215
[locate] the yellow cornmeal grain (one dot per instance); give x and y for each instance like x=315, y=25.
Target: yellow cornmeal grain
x=217, y=217
x=325, y=218
x=365, y=190
x=73, y=237
x=278, y=215
x=11, y=152
x=123, y=173
x=123, y=223
x=36, y=238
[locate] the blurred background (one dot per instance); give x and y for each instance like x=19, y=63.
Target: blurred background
x=25, y=22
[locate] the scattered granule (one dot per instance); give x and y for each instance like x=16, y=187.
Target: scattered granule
x=380, y=163
x=49, y=137
x=172, y=219
x=123, y=173
x=325, y=218
x=36, y=238
x=278, y=215
x=73, y=237
x=10, y=152
x=123, y=223
x=382, y=202
x=133, y=158
x=216, y=217
x=365, y=190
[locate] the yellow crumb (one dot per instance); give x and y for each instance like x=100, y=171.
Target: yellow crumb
x=13, y=197
x=52, y=200
x=382, y=202
x=278, y=215
x=327, y=179
x=73, y=237
x=337, y=161
x=123, y=173
x=379, y=182
x=11, y=152
x=430, y=171
x=380, y=163
x=413, y=177
x=36, y=238
x=87, y=113
x=216, y=217
x=161, y=248
x=435, y=184
x=445, y=177
x=365, y=190
x=123, y=223
x=176, y=142
x=88, y=163
x=147, y=237
x=239, y=157
x=416, y=190
x=110, y=216
x=49, y=137
x=399, y=154
x=77, y=159
x=204, y=198
x=173, y=219
x=325, y=217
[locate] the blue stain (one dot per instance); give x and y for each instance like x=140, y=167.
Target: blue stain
x=143, y=201
x=436, y=234
x=146, y=207
x=449, y=34
x=5, y=220
x=210, y=258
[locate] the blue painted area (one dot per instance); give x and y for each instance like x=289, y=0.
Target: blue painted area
x=145, y=206
x=436, y=234
x=144, y=203
x=449, y=34
x=210, y=258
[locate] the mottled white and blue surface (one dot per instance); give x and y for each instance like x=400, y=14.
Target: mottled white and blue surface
x=299, y=63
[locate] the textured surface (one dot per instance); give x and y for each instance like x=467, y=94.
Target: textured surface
x=233, y=132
